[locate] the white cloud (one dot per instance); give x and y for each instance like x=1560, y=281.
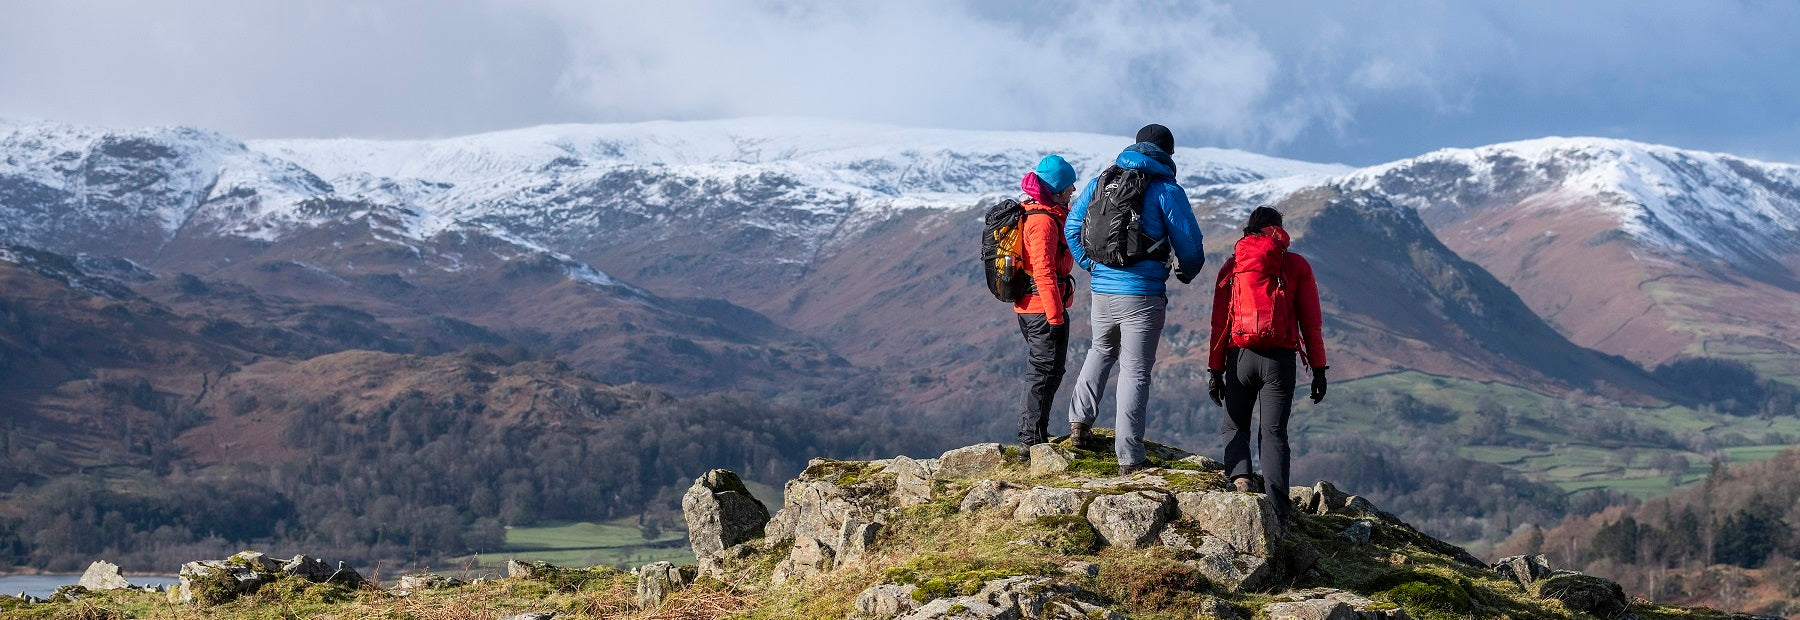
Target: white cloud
x=1343, y=81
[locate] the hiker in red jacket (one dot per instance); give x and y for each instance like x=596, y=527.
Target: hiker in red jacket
x=1043, y=312
x=1265, y=315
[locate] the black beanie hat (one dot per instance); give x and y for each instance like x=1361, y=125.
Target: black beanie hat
x=1159, y=136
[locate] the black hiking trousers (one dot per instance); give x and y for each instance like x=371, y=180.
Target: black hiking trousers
x=1047, y=349
x=1262, y=380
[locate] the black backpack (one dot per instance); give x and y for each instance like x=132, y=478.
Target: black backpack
x=1003, y=251
x=1112, y=232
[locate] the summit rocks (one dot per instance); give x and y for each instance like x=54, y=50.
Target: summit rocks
x=975, y=534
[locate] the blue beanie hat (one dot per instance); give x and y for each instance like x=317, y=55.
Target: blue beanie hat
x=1056, y=173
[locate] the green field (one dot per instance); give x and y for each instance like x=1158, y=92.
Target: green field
x=1563, y=452
x=614, y=543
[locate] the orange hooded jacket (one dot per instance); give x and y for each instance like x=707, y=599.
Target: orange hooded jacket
x=1049, y=262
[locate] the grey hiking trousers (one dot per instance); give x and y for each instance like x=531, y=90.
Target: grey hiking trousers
x=1126, y=329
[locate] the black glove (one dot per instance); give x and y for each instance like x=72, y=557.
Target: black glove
x=1184, y=275
x=1318, y=387
x=1215, y=387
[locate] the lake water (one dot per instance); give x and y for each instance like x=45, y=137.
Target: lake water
x=45, y=585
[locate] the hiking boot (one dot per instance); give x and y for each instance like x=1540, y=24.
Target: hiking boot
x=1126, y=470
x=1080, y=436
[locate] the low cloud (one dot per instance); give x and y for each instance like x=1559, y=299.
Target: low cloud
x=1324, y=81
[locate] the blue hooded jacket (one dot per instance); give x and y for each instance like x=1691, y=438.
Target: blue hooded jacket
x=1167, y=215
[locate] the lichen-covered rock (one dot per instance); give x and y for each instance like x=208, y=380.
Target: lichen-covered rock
x=216, y=581
x=1245, y=521
x=1331, y=603
x=1359, y=533
x=1316, y=609
x=884, y=601
x=411, y=584
x=1050, y=502
x=532, y=615
x=1523, y=569
x=912, y=480
x=317, y=571
x=103, y=575
x=721, y=512
x=1079, y=610
x=1229, y=569
x=810, y=558
x=1584, y=593
x=854, y=540
x=1016, y=598
x=1049, y=459
x=988, y=494
x=1132, y=519
x=970, y=461
x=1202, y=463
x=657, y=580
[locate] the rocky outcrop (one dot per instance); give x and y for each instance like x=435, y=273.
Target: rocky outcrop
x=721, y=512
x=657, y=580
x=1131, y=519
x=1329, y=604
x=1583, y=593
x=1048, y=459
x=971, y=461
x=216, y=581
x=1011, y=598
x=103, y=575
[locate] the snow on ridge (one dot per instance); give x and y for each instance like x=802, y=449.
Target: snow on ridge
x=1690, y=201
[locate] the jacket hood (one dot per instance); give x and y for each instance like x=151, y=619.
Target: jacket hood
x=1034, y=188
x=1147, y=157
x=1269, y=239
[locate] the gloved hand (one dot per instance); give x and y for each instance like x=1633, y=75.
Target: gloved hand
x=1318, y=386
x=1215, y=387
x=1184, y=275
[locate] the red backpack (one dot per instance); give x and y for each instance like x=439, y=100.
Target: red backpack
x=1262, y=310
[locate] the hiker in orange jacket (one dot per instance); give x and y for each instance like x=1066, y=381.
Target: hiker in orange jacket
x=1043, y=312
x=1265, y=316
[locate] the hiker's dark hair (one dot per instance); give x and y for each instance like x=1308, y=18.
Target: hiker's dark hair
x=1260, y=218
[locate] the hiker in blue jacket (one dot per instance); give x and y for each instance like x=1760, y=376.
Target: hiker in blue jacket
x=1129, y=302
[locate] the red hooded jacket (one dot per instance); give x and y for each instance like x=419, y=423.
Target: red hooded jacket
x=1296, y=272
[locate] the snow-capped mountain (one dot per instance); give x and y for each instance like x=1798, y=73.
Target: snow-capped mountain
x=1643, y=250
x=820, y=221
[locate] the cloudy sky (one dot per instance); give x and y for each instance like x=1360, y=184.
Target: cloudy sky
x=1349, y=81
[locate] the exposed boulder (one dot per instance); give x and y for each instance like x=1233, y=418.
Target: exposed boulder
x=1203, y=463
x=1330, y=604
x=1245, y=521
x=422, y=582
x=1229, y=569
x=1524, y=569
x=1360, y=532
x=884, y=601
x=1013, y=598
x=657, y=580
x=721, y=512
x=1050, y=502
x=1048, y=459
x=317, y=571
x=1584, y=593
x=988, y=494
x=216, y=581
x=811, y=557
x=970, y=461
x=913, y=480
x=1132, y=519
x=103, y=575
